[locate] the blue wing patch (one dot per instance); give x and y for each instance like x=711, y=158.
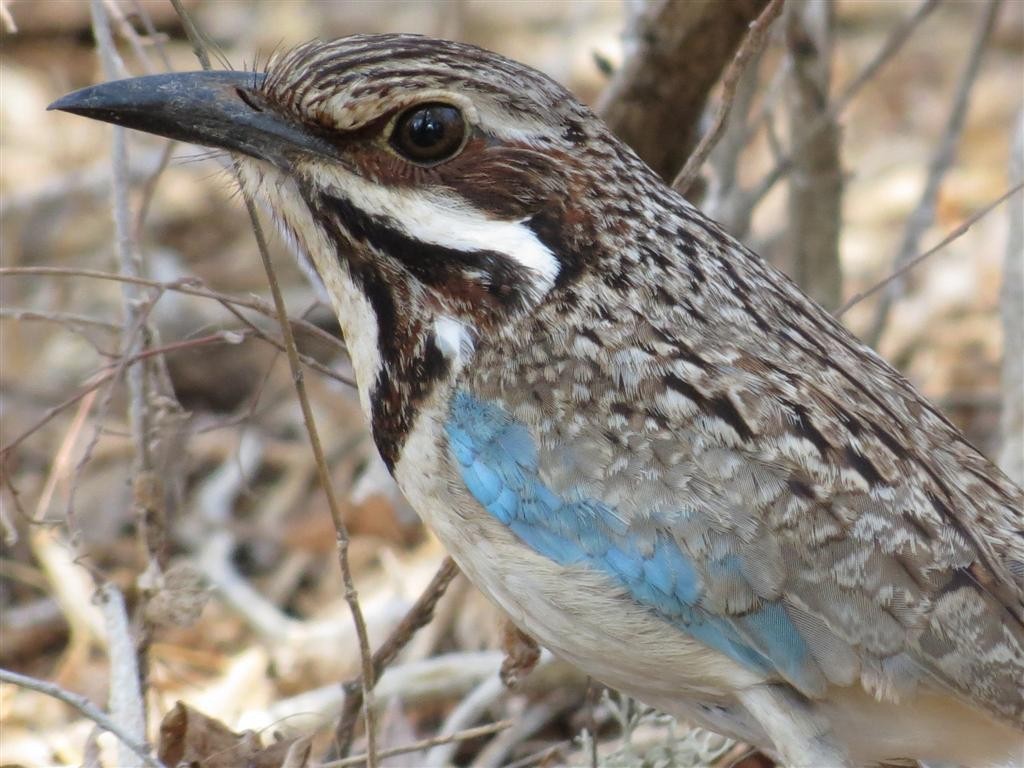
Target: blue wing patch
x=497, y=459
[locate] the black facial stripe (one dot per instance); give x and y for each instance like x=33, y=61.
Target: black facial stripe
x=409, y=369
x=548, y=226
x=397, y=396
x=506, y=281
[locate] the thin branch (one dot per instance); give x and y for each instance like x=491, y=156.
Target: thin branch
x=156, y=38
x=120, y=367
x=127, y=31
x=61, y=318
x=93, y=181
x=127, y=252
x=149, y=187
x=105, y=375
x=537, y=717
x=341, y=530
x=550, y=755
x=306, y=360
x=427, y=682
x=468, y=711
x=723, y=184
x=941, y=161
x=892, y=45
x=417, y=746
x=85, y=707
x=909, y=265
x=141, y=380
x=418, y=616
x=126, y=695
x=751, y=46
x=50, y=413
x=191, y=288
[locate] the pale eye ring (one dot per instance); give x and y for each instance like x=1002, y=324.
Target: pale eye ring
x=429, y=133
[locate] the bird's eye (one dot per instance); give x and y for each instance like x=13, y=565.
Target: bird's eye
x=429, y=133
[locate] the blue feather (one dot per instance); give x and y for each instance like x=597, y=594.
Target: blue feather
x=497, y=459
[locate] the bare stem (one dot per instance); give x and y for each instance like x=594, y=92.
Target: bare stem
x=417, y=746
x=129, y=708
x=752, y=44
x=960, y=230
x=86, y=707
x=188, y=287
x=890, y=48
x=941, y=161
x=341, y=530
x=418, y=616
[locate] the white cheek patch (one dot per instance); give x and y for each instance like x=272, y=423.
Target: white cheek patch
x=454, y=338
x=449, y=222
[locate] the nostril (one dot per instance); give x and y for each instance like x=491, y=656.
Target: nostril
x=247, y=97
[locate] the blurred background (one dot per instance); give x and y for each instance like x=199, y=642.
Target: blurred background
x=862, y=134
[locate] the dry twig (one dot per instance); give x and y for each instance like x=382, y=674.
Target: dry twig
x=86, y=707
x=751, y=46
x=187, y=286
x=911, y=263
x=417, y=746
x=889, y=49
x=419, y=615
x=351, y=596
x=941, y=161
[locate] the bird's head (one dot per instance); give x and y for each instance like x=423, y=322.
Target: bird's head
x=438, y=191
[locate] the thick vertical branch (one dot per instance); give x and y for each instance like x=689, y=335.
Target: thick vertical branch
x=816, y=183
x=743, y=202
x=655, y=101
x=1011, y=306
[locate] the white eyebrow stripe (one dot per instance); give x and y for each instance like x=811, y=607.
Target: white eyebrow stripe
x=449, y=222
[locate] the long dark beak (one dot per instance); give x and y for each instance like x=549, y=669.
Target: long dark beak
x=217, y=109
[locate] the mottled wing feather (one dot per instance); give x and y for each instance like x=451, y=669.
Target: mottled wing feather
x=497, y=459
x=824, y=505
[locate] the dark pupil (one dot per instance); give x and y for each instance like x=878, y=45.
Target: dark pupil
x=429, y=133
x=426, y=128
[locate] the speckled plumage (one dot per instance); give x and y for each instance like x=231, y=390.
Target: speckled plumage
x=644, y=442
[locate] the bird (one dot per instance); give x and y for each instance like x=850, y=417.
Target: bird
x=643, y=442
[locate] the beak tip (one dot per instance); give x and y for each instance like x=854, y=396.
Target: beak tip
x=59, y=105
x=76, y=102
